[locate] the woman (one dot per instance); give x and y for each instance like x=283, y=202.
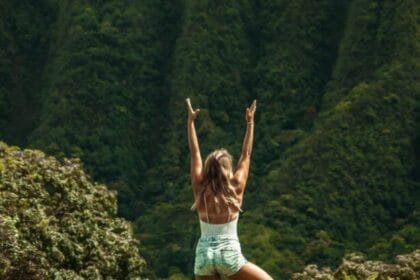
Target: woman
x=218, y=194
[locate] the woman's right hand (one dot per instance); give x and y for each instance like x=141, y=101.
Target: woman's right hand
x=191, y=113
x=249, y=115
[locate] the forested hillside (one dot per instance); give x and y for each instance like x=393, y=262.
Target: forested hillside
x=335, y=165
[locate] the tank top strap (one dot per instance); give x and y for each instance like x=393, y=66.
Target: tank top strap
x=205, y=205
x=228, y=216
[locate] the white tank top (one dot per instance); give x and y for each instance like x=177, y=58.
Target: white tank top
x=229, y=228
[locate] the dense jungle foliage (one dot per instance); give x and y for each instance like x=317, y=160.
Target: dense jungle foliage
x=56, y=224
x=335, y=166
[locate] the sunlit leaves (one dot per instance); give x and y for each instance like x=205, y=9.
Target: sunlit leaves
x=56, y=223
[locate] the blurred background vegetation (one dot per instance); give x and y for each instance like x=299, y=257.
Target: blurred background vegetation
x=335, y=165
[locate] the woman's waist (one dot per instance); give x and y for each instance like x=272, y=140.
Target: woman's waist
x=228, y=229
x=219, y=237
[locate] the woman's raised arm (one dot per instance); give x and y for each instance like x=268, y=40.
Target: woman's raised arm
x=242, y=170
x=196, y=163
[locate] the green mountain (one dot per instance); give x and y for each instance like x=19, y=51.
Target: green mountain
x=335, y=166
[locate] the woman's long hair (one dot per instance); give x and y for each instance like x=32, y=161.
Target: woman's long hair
x=216, y=184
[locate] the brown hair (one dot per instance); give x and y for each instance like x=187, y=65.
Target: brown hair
x=216, y=174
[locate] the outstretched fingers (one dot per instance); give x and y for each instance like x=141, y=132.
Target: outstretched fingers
x=253, y=106
x=250, y=111
x=189, y=105
x=191, y=112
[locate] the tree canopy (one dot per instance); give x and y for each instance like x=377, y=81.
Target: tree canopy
x=55, y=223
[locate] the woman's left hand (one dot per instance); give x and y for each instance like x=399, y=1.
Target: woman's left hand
x=250, y=112
x=191, y=113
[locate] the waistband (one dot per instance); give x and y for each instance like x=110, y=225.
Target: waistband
x=218, y=238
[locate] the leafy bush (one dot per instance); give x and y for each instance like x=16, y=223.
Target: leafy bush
x=357, y=267
x=56, y=223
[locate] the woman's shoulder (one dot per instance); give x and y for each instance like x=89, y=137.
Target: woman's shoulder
x=237, y=185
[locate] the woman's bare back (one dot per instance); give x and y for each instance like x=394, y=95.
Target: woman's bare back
x=226, y=213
